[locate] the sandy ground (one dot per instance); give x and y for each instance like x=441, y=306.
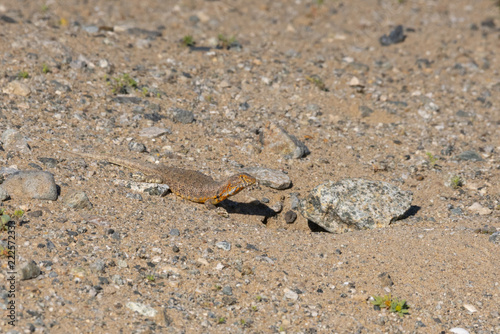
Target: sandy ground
x=314, y=67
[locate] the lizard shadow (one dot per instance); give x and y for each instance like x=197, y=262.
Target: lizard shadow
x=254, y=208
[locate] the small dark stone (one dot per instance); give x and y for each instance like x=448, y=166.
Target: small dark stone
x=396, y=36
x=137, y=147
x=175, y=249
x=35, y=166
x=50, y=244
x=175, y=232
x=456, y=211
x=103, y=280
x=244, y=106
x=437, y=320
x=319, y=290
x=488, y=23
x=7, y=19
x=338, y=252
x=290, y=217
x=183, y=116
x=376, y=307
x=110, y=231
x=48, y=162
x=35, y=214
x=251, y=247
x=470, y=156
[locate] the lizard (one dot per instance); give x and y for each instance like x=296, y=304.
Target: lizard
x=187, y=184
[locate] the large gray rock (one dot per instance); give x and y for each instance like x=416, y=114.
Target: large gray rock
x=354, y=204
x=32, y=185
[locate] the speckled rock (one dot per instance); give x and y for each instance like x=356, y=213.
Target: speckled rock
x=269, y=177
x=31, y=184
x=77, y=200
x=355, y=204
x=4, y=195
x=29, y=270
x=145, y=310
x=17, y=88
x=13, y=140
x=279, y=141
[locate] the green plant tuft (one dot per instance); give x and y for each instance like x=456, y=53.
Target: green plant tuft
x=121, y=83
x=188, y=40
x=226, y=42
x=45, y=68
x=393, y=305
x=456, y=182
x=432, y=159
x=318, y=82
x=23, y=75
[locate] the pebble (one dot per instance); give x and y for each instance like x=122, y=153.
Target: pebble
x=48, y=162
x=134, y=146
x=395, y=36
x=470, y=308
x=268, y=177
x=277, y=207
x=469, y=156
x=142, y=309
x=31, y=184
x=17, y=88
x=4, y=195
x=458, y=330
x=227, y=290
x=174, y=232
x=29, y=270
x=117, y=279
x=290, y=294
x=479, y=209
x=224, y=245
x=355, y=204
x=294, y=201
x=154, y=132
x=495, y=238
x=290, y=217
x=77, y=200
x=14, y=141
x=182, y=116
x=277, y=140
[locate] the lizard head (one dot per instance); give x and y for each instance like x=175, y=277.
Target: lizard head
x=234, y=185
